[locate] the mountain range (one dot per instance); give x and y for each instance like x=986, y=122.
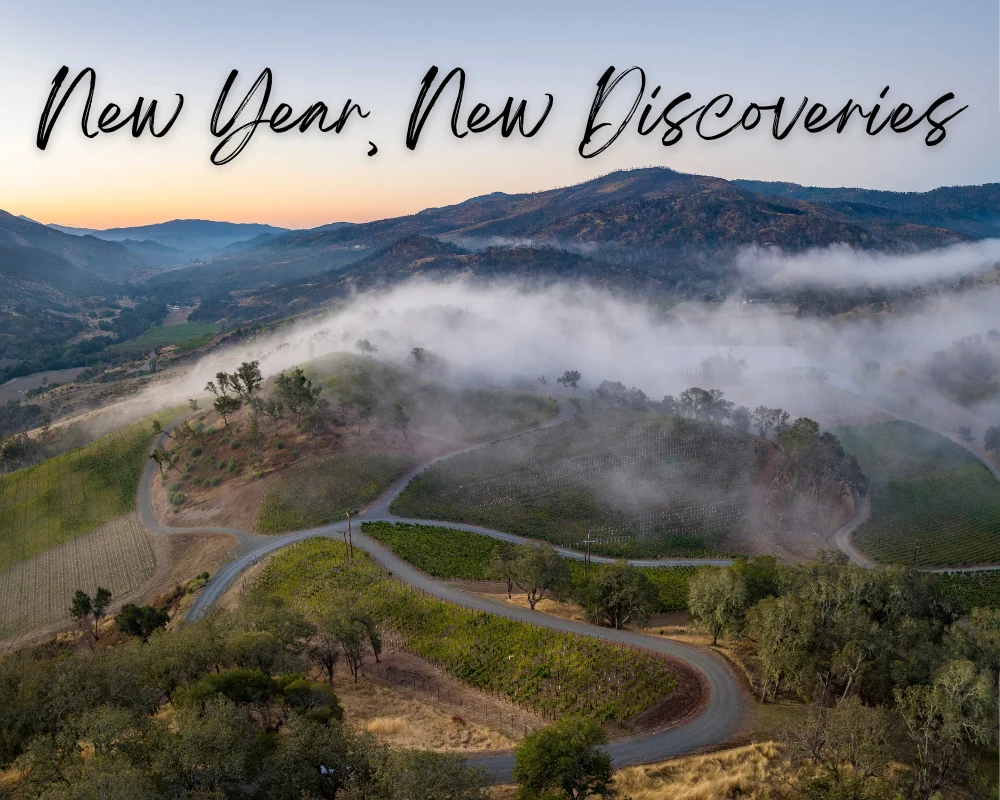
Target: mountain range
x=179, y=241
x=646, y=231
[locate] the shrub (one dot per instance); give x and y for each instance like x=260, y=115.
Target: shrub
x=214, y=480
x=177, y=498
x=279, y=444
x=196, y=451
x=175, y=486
x=222, y=464
x=232, y=464
x=235, y=444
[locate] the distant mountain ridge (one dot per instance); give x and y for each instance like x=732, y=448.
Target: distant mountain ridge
x=108, y=260
x=648, y=227
x=970, y=210
x=189, y=239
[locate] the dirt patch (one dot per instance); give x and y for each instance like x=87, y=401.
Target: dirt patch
x=465, y=710
x=683, y=704
x=233, y=504
x=177, y=316
x=402, y=717
x=182, y=556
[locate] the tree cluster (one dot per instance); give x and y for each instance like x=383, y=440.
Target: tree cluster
x=890, y=672
x=244, y=721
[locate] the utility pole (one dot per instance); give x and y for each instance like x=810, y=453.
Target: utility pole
x=588, y=541
x=350, y=537
x=916, y=547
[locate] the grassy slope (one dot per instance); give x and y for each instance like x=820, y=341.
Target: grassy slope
x=927, y=492
x=647, y=484
x=549, y=672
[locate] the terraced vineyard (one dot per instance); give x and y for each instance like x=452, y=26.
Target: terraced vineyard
x=643, y=484
x=69, y=523
x=465, y=555
x=548, y=672
x=933, y=502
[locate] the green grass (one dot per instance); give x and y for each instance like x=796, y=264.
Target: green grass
x=644, y=484
x=975, y=589
x=69, y=495
x=319, y=491
x=548, y=672
x=464, y=555
x=161, y=336
x=930, y=497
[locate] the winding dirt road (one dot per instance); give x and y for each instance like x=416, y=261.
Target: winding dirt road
x=720, y=718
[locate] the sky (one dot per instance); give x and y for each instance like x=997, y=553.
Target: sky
x=377, y=54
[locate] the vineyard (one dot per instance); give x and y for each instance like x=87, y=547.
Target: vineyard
x=72, y=494
x=933, y=502
x=69, y=523
x=550, y=673
x=642, y=484
x=319, y=492
x=453, y=554
x=441, y=552
x=34, y=592
x=974, y=589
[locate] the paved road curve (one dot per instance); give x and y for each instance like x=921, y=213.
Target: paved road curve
x=718, y=721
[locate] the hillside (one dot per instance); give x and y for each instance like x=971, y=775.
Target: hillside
x=28, y=273
x=970, y=210
x=646, y=230
x=108, y=260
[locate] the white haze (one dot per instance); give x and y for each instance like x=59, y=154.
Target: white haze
x=842, y=267
x=505, y=336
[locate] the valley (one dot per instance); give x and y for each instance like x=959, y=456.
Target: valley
x=433, y=497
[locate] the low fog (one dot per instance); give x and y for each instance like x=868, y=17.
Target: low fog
x=841, y=267
x=506, y=336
